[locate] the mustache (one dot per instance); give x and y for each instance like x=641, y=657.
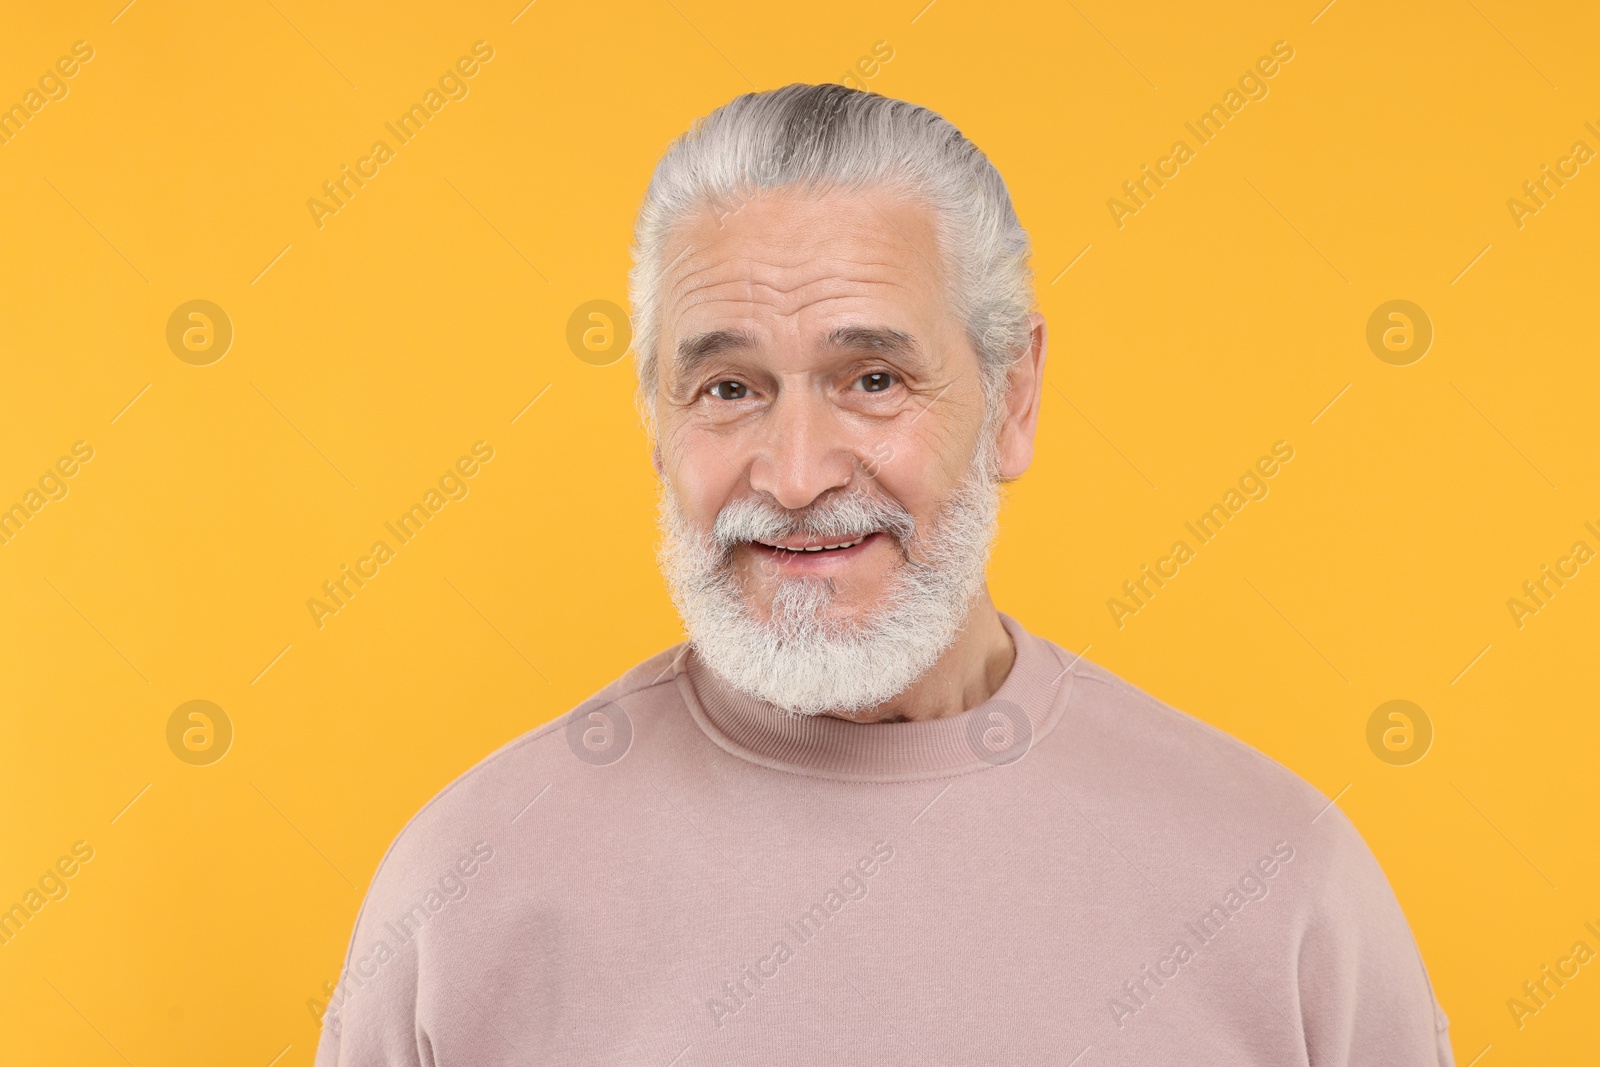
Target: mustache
x=836, y=518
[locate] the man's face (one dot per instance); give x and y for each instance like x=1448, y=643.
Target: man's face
x=807, y=355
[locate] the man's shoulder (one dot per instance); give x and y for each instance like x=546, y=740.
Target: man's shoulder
x=496, y=792
x=1191, y=791
x=1154, y=756
x=1219, y=824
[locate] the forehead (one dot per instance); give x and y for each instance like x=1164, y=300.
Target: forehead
x=787, y=261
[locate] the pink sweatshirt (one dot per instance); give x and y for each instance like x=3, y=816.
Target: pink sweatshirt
x=674, y=874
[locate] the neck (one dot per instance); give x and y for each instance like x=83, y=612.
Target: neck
x=968, y=673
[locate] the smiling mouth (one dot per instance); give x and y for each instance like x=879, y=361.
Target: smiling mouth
x=793, y=549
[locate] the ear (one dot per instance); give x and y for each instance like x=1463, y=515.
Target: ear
x=1024, y=385
x=655, y=458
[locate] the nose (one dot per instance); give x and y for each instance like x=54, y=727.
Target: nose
x=802, y=451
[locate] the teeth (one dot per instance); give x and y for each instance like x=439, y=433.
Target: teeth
x=822, y=548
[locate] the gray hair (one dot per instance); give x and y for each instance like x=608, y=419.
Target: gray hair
x=828, y=137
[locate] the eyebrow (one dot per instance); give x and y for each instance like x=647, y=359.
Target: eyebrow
x=697, y=348
x=874, y=338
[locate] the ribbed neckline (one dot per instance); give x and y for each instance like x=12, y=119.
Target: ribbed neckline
x=1021, y=713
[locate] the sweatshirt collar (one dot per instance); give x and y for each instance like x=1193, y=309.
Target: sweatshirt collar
x=999, y=731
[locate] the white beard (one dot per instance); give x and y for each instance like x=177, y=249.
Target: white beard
x=801, y=659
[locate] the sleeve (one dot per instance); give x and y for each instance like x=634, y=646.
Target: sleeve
x=371, y=1020
x=1365, y=996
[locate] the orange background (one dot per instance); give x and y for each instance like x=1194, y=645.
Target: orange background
x=369, y=354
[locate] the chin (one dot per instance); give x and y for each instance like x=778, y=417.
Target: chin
x=809, y=605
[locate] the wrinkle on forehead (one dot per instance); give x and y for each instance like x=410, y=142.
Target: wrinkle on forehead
x=805, y=296
x=782, y=241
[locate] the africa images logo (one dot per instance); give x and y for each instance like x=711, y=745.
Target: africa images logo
x=453, y=885
x=1138, y=991
x=851, y=886
x=453, y=84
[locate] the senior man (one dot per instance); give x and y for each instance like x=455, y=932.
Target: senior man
x=860, y=816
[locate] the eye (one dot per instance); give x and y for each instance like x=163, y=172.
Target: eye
x=875, y=382
x=729, y=391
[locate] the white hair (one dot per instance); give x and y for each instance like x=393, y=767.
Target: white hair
x=822, y=138
x=799, y=658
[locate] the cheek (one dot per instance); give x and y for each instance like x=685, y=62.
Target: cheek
x=903, y=478
x=702, y=478
x=916, y=482
x=923, y=464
